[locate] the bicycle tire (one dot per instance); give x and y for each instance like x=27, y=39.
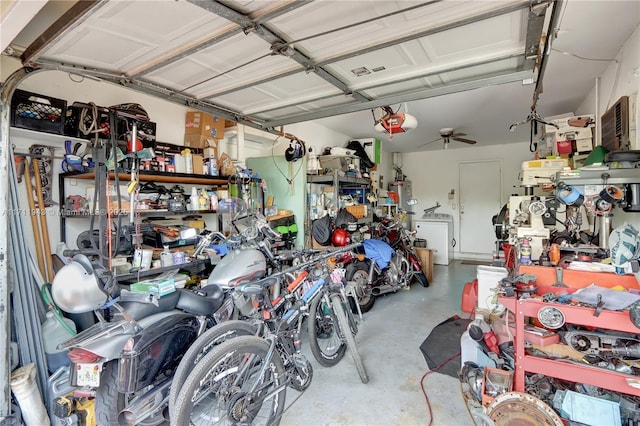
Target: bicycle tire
x=202, y=346
x=324, y=340
x=350, y=340
x=218, y=371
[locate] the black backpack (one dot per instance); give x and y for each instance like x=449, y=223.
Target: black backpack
x=321, y=230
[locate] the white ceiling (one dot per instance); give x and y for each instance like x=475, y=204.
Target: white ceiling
x=458, y=64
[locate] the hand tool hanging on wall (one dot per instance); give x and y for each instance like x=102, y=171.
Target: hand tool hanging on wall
x=43, y=221
x=45, y=155
x=34, y=220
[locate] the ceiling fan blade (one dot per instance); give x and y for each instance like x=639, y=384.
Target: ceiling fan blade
x=469, y=141
x=455, y=135
x=427, y=143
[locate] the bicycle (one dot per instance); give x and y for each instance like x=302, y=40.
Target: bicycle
x=243, y=379
x=332, y=326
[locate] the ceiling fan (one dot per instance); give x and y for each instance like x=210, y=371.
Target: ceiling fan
x=447, y=134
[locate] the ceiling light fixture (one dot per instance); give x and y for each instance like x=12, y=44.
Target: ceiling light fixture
x=394, y=122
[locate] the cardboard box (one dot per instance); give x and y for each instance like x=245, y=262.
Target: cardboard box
x=562, y=120
x=426, y=260
x=584, y=145
x=210, y=152
x=204, y=124
x=198, y=164
x=198, y=141
x=158, y=286
x=573, y=133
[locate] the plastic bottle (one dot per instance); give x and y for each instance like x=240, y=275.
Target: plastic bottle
x=54, y=333
x=166, y=257
x=193, y=200
x=188, y=160
x=214, y=201
x=203, y=200
x=213, y=166
x=554, y=254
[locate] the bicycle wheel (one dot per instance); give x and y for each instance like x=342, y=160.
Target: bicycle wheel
x=233, y=384
x=326, y=345
x=202, y=346
x=343, y=323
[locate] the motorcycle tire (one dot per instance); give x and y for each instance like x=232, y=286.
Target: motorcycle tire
x=202, y=346
x=325, y=342
x=109, y=402
x=220, y=386
x=359, y=273
x=422, y=279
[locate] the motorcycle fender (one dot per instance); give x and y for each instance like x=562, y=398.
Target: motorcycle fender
x=157, y=349
x=108, y=348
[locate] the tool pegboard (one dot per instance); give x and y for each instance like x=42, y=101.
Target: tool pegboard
x=44, y=155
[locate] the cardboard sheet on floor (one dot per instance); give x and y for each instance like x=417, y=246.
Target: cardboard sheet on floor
x=443, y=343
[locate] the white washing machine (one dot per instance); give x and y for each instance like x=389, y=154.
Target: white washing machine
x=437, y=229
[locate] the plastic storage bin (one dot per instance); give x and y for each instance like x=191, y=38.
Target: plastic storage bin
x=38, y=112
x=488, y=278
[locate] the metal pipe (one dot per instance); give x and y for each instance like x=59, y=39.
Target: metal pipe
x=598, y=125
x=26, y=298
x=6, y=93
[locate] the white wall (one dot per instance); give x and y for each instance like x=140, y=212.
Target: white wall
x=622, y=77
x=434, y=173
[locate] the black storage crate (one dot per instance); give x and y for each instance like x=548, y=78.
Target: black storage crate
x=80, y=115
x=38, y=112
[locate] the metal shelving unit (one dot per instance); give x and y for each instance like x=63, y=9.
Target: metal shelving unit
x=611, y=320
x=339, y=183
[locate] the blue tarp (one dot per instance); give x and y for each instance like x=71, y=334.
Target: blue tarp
x=379, y=251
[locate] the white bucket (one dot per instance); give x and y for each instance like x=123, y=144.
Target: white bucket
x=25, y=389
x=488, y=279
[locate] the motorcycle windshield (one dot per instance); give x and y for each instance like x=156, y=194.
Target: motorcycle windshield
x=379, y=251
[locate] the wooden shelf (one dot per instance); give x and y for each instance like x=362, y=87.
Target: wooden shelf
x=162, y=177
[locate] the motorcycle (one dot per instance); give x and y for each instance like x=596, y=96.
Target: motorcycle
x=129, y=357
x=390, y=264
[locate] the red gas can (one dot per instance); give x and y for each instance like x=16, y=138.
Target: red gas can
x=470, y=296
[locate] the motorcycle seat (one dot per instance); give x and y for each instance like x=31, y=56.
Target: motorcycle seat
x=204, y=301
x=139, y=310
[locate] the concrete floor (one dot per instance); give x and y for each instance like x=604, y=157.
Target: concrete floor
x=389, y=340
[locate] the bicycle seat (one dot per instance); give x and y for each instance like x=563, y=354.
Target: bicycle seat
x=204, y=301
x=257, y=287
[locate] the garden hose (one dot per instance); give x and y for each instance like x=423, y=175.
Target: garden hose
x=45, y=293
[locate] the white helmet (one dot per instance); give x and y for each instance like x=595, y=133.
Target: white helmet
x=76, y=289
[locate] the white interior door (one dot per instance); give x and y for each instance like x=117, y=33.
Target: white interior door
x=480, y=200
